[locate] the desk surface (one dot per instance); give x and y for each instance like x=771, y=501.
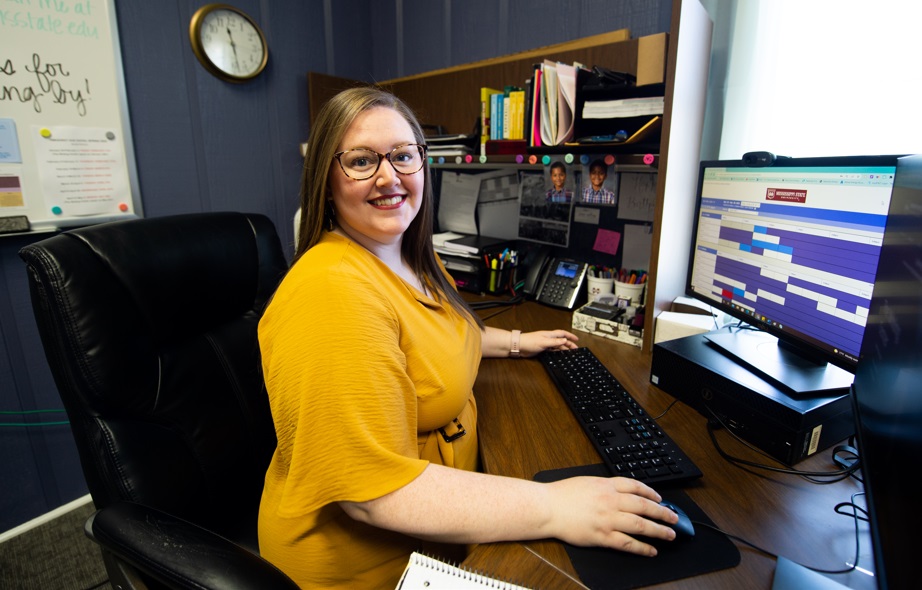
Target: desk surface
x=525, y=427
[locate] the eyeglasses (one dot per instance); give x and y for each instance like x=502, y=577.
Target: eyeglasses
x=361, y=164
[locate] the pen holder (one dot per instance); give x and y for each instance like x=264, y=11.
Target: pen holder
x=628, y=293
x=599, y=287
x=498, y=280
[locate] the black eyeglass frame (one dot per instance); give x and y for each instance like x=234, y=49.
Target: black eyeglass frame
x=381, y=157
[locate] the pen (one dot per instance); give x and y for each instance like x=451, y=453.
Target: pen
x=493, y=275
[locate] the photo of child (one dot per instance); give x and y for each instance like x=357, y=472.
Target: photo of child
x=596, y=192
x=558, y=196
x=540, y=218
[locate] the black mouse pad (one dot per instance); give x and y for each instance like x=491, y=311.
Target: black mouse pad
x=605, y=569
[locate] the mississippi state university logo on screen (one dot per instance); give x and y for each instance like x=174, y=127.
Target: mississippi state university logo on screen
x=786, y=194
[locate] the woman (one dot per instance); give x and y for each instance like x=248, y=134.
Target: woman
x=370, y=356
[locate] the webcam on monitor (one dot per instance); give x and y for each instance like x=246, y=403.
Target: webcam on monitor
x=760, y=159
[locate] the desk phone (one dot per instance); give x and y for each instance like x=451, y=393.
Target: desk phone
x=556, y=281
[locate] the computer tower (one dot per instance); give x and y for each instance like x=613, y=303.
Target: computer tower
x=789, y=429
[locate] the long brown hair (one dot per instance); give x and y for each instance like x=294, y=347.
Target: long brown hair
x=327, y=131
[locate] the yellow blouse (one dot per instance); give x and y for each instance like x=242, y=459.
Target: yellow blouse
x=361, y=371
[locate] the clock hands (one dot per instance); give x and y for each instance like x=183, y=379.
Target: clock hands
x=237, y=57
x=234, y=48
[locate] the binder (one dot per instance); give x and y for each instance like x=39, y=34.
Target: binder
x=486, y=94
x=559, y=101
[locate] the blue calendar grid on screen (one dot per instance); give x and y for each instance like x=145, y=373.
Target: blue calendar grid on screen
x=758, y=267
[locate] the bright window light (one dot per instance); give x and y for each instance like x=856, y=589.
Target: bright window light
x=824, y=78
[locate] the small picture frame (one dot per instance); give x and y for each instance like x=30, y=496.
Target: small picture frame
x=599, y=184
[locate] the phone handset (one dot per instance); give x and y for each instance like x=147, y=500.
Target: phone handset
x=555, y=281
x=537, y=265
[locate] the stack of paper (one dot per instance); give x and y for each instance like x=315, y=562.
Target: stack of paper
x=558, y=102
x=626, y=107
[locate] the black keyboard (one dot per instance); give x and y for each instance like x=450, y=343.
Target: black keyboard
x=630, y=442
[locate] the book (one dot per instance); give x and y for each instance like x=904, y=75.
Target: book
x=527, y=110
x=509, y=111
x=566, y=102
x=449, y=150
x=496, y=116
x=549, y=97
x=473, y=244
x=428, y=573
x=517, y=114
x=485, y=110
x=535, y=139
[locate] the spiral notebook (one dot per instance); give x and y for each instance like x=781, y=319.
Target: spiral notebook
x=428, y=573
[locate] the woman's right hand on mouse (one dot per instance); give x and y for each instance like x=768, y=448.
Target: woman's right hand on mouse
x=609, y=512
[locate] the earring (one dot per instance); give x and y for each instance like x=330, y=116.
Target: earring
x=329, y=215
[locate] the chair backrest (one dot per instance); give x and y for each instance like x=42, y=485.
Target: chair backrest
x=149, y=327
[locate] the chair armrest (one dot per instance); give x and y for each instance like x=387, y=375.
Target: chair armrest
x=180, y=554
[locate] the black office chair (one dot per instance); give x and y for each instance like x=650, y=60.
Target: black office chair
x=149, y=327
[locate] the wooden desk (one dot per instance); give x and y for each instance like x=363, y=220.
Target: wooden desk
x=525, y=427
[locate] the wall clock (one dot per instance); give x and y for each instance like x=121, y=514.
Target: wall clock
x=228, y=43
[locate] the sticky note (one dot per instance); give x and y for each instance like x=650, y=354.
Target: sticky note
x=607, y=241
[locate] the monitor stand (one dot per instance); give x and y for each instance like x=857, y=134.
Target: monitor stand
x=762, y=354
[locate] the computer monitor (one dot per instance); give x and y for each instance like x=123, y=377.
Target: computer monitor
x=792, y=248
x=887, y=392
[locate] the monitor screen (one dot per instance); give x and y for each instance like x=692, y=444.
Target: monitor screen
x=887, y=392
x=792, y=248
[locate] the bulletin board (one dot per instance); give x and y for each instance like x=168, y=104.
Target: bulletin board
x=66, y=152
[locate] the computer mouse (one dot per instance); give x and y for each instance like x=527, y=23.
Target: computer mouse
x=683, y=528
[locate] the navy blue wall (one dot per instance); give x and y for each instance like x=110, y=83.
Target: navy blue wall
x=205, y=145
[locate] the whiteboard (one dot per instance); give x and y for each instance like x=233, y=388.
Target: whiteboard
x=66, y=152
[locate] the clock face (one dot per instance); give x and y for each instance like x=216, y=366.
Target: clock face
x=232, y=43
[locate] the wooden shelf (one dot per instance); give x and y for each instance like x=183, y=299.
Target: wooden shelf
x=450, y=98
